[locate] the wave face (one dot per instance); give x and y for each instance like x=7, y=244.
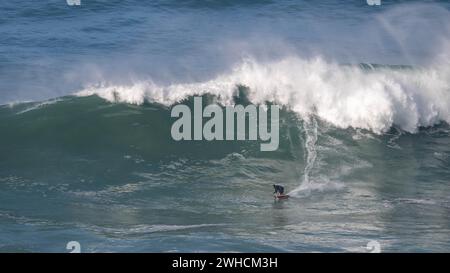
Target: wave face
x=121, y=184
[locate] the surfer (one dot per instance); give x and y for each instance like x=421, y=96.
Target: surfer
x=279, y=190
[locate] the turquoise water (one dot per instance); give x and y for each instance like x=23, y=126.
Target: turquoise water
x=85, y=147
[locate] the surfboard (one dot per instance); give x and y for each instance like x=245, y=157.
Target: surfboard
x=281, y=196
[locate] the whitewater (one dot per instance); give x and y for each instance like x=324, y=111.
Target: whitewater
x=375, y=99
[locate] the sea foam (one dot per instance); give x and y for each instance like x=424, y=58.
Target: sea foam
x=343, y=95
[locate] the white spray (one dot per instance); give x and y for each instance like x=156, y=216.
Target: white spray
x=311, y=136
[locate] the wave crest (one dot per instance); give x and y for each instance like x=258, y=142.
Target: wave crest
x=346, y=96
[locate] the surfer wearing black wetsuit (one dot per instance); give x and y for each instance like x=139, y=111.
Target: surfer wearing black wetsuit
x=279, y=190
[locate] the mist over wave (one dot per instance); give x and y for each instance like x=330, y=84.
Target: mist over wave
x=166, y=42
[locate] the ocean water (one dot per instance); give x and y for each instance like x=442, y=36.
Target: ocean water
x=86, y=153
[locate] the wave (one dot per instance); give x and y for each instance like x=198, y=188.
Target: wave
x=365, y=96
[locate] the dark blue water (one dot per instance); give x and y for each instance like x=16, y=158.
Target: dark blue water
x=85, y=147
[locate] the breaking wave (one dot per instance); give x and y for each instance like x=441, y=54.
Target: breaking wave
x=372, y=97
